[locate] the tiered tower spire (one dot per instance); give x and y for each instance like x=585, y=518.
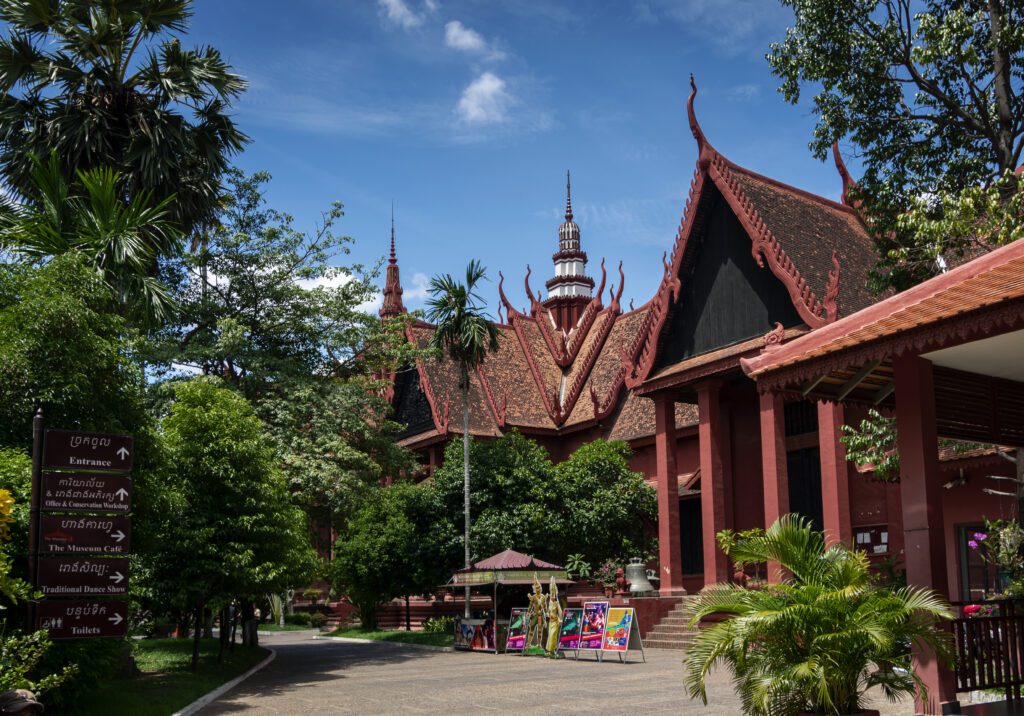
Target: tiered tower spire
x=393, y=305
x=570, y=289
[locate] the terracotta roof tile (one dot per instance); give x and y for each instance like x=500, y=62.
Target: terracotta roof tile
x=994, y=278
x=810, y=228
x=513, y=385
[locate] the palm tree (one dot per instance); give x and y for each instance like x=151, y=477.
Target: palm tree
x=466, y=335
x=92, y=219
x=817, y=641
x=106, y=83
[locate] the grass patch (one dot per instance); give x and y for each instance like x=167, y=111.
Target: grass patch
x=166, y=683
x=405, y=637
x=286, y=627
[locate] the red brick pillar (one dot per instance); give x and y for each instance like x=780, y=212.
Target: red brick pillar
x=715, y=480
x=921, y=500
x=835, y=482
x=774, y=467
x=669, y=556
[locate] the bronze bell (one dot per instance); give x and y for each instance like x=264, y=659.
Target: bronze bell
x=636, y=574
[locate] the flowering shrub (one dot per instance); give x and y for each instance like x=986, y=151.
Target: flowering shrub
x=980, y=610
x=606, y=573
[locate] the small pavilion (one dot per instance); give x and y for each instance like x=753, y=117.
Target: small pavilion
x=947, y=358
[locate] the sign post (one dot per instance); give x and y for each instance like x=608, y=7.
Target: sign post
x=80, y=531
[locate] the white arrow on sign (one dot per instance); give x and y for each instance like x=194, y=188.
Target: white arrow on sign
x=122, y=452
x=122, y=494
x=117, y=619
x=117, y=577
x=118, y=536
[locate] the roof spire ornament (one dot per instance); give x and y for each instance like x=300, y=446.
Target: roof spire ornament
x=698, y=133
x=568, y=197
x=844, y=174
x=392, y=305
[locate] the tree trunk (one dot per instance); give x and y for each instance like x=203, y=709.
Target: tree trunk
x=234, y=626
x=1001, y=83
x=207, y=623
x=408, y=616
x=198, y=633
x=465, y=475
x=225, y=631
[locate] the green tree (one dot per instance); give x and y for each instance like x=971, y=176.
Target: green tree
x=108, y=84
x=606, y=505
x=233, y=531
x=394, y=545
x=92, y=219
x=817, y=641
x=62, y=349
x=265, y=307
x=466, y=334
x=590, y=504
x=931, y=95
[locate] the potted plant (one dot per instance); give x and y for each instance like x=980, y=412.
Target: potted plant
x=576, y=567
x=606, y=576
x=816, y=642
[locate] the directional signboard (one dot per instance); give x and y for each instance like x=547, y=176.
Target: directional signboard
x=75, y=492
x=82, y=576
x=83, y=619
x=88, y=451
x=89, y=534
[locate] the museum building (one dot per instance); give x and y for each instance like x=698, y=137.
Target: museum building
x=755, y=265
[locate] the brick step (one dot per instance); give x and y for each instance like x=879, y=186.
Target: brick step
x=667, y=629
x=675, y=621
x=666, y=644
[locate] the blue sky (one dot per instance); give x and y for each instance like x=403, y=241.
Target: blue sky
x=467, y=113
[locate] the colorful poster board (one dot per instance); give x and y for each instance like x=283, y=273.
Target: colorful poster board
x=517, y=629
x=569, y=632
x=475, y=634
x=595, y=615
x=617, y=628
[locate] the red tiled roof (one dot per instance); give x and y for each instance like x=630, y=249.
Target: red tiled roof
x=992, y=279
x=510, y=559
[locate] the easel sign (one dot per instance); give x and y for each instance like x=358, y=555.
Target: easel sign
x=620, y=635
x=569, y=632
x=592, y=629
x=516, y=639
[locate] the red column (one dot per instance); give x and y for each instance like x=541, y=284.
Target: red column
x=668, y=496
x=921, y=500
x=715, y=482
x=773, y=465
x=835, y=483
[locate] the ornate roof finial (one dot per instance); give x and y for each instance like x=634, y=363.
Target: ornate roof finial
x=844, y=174
x=698, y=133
x=392, y=259
x=568, y=197
x=392, y=305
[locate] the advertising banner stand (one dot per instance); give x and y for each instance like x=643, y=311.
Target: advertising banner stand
x=620, y=634
x=570, y=630
x=516, y=639
x=595, y=615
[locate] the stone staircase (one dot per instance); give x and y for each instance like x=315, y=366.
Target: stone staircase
x=671, y=632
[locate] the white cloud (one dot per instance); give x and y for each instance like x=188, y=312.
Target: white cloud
x=398, y=12
x=742, y=93
x=418, y=290
x=334, y=279
x=459, y=37
x=732, y=26
x=465, y=39
x=484, y=101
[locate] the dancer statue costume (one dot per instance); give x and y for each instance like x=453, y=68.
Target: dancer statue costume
x=554, y=618
x=535, y=614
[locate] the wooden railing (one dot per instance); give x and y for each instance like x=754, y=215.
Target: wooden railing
x=990, y=649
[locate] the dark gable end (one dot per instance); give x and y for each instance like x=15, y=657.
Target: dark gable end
x=412, y=409
x=725, y=297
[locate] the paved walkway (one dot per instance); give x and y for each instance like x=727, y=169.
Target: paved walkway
x=311, y=677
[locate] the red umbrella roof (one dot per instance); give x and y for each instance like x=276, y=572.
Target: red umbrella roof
x=510, y=559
